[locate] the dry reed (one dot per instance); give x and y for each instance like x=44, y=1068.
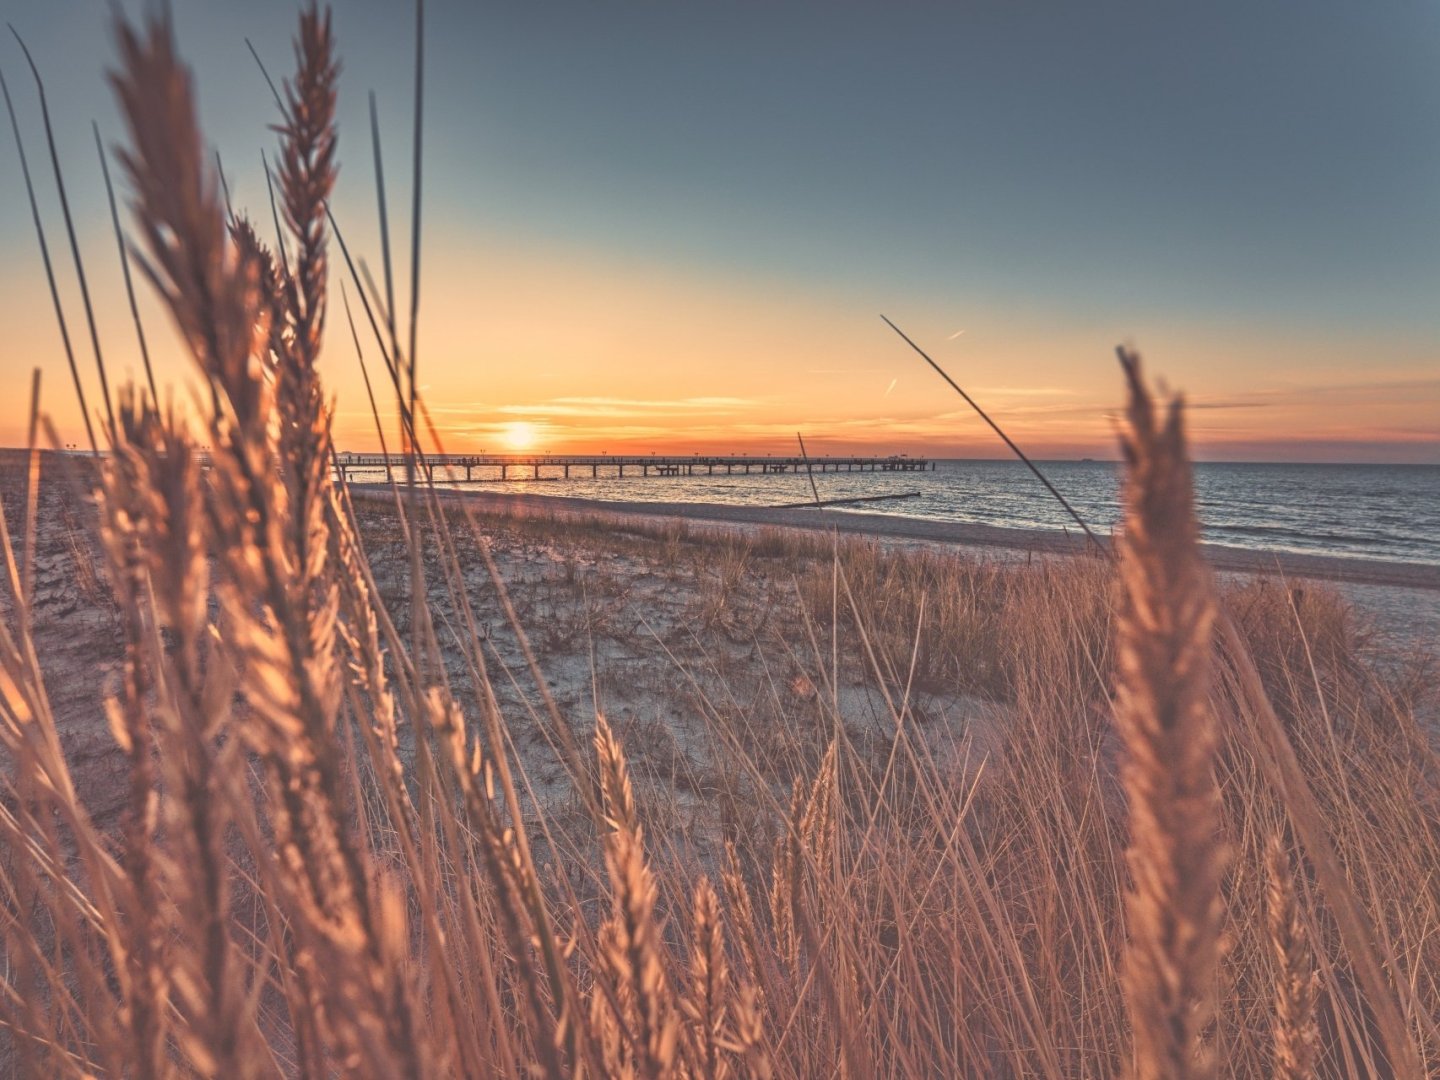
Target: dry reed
x=1297, y=983
x=1176, y=854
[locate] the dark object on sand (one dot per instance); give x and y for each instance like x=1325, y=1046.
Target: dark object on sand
x=838, y=502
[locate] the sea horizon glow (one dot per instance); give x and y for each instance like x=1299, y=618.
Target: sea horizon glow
x=676, y=230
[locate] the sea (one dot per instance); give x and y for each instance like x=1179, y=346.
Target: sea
x=1384, y=512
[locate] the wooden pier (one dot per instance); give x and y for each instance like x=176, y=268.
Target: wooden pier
x=492, y=467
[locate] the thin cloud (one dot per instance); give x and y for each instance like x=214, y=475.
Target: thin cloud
x=617, y=407
x=460, y=407
x=661, y=403
x=1025, y=391
x=1368, y=386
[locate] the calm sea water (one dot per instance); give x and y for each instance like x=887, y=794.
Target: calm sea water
x=1389, y=512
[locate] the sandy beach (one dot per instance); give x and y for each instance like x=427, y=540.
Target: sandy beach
x=965, y=534
x=1402, y=599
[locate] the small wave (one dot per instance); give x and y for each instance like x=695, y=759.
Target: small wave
x=1301, y=534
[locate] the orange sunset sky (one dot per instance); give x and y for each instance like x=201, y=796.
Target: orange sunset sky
x=676, y=230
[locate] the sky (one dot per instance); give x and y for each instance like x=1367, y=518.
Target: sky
x=675, y=227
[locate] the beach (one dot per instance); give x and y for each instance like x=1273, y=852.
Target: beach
x=1402, y=598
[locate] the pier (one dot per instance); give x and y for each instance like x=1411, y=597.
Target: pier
x=493, y=467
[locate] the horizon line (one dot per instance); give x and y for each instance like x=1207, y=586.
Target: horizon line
x=1067, y=460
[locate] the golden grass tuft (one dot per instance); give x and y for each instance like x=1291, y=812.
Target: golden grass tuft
x=1176, y=854
x=1297, y=983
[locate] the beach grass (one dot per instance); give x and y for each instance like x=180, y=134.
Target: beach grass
x=374, y=784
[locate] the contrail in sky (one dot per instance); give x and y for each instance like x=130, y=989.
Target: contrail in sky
x=890, y=387
x=956, y=334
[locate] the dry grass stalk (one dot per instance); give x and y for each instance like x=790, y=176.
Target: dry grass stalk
x=802, y=856
x=785, y=883
x=78, y=262
x=49, y=269
x=635, y=955
x=742, y=913
x=209, y=291
x=1176, y=855
x=706, y=1005
x=274, y=537
x=750, y=1041
x=148, y=498
x=1297, y=983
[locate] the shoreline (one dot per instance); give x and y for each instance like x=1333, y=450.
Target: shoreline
x=1344, y=569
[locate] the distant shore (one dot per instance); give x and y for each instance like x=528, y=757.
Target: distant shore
x=966, y=534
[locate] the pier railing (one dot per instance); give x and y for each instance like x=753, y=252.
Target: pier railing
x=449, y=467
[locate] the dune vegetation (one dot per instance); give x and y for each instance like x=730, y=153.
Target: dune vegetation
x=1180, y=830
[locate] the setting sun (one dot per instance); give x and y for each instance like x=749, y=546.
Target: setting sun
x=519, y=435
